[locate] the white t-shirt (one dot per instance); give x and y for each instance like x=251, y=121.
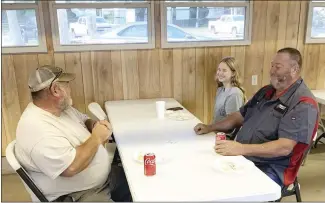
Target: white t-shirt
x=45, y=147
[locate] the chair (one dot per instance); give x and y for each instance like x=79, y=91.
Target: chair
x=319, y=139
x=322, y=130
x=309, y=148
x=13, y=162
x=294, y=188
x=232, y=135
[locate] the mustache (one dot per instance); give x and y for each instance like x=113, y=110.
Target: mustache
x=282, y=79
x=279, y=78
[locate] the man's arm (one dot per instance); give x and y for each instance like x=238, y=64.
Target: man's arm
x=281, y=147
x=232, y=121
x=229, y=123
x=55, y=156
x=84, y=155
x=277, y=148
x=86, y=152
x=297, y=126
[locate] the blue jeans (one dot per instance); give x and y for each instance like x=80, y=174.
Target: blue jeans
x=271, y=173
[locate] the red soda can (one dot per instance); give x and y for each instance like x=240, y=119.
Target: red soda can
x=149, y=161
x=221, y=136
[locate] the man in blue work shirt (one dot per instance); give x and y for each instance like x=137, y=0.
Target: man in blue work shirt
x=277, y=124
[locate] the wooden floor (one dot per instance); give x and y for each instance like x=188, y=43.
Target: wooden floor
x=311, y=178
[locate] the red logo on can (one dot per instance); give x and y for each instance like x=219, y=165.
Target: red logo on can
x=220, y=136
x=149, y=161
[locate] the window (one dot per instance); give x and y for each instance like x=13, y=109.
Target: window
x=205, y=23
x=13, y=2
x=316, y=22
x=102, y=25
x=22, y=27
x=140, y=30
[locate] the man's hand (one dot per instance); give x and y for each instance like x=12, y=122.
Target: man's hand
x=102, y=131
x=106, y=123
x=201, y=129
x=228, y=148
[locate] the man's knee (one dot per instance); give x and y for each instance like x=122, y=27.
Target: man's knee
x=119, y=186
x=91, y=195
x=103, y=196
x=271, y=174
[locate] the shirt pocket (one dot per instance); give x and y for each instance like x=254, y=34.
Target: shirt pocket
x=267, y=130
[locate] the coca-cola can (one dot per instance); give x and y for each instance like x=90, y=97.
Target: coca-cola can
x=221, y=136
x=149, y=161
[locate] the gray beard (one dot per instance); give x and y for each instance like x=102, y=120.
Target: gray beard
x=64, y=104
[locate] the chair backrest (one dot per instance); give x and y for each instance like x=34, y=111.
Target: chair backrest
x=303, y=157
x=97, y=111
x=232, y=135
x=13, y=162
x=309, y=147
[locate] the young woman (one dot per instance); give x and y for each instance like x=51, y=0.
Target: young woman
x=230, y=94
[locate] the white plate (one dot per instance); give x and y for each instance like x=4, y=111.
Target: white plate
x=138, y=157
x=179, y=115
x=228, y=164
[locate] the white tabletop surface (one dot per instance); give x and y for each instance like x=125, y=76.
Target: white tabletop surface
x=187, y=175
x=320, y=96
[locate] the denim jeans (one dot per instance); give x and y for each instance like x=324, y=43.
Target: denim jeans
x=271, y=173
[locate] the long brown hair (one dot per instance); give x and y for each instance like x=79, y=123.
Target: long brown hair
x=234, y=67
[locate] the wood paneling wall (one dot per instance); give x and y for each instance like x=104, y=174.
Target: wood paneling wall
x=185, y=74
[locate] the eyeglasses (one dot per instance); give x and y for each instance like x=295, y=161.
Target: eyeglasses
x=57, y=72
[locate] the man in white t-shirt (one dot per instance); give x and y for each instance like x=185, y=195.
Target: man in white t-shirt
x=62, y=149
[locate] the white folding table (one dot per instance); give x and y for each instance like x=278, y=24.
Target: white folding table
x=187, y=175
x=320, y=98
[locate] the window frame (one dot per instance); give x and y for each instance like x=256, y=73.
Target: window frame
x=309, y=39
x=248, y=24
x=42, y=47
x=96, y=47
